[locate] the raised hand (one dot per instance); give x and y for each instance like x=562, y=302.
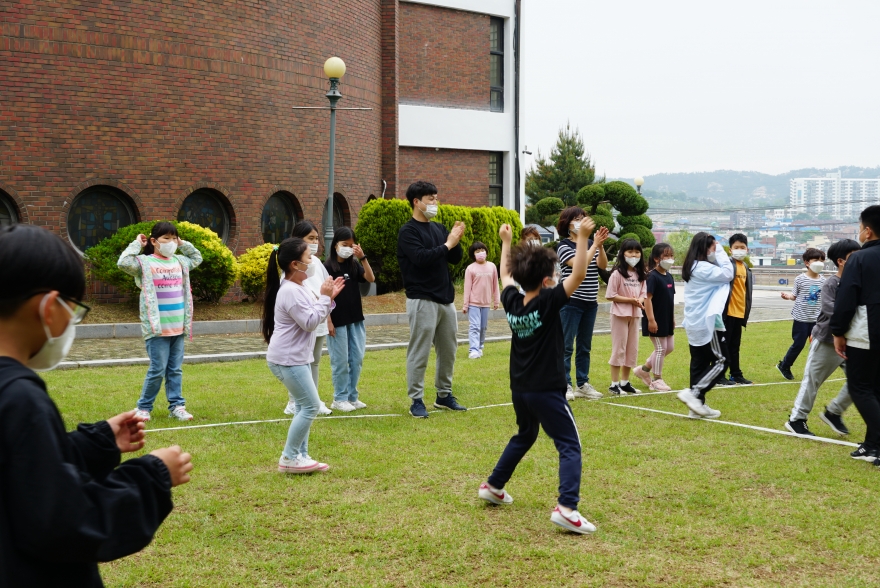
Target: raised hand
x=142, y=239
x=587, y=226
x=327, y=287
x=338, y=284
x=179, y=464
x=128, y=430
x=601, y=235
x=358, y=252
x=506, y=233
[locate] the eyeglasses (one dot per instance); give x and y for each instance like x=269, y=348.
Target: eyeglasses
x=78, y=312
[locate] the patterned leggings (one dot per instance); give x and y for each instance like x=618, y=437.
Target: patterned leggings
x=663, y=346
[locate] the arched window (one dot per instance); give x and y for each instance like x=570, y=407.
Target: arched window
x=278, y=218
x=97, y=213
x=206, y=208
x=340, y=211
x=8, y=211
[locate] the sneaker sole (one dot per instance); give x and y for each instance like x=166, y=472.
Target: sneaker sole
x=791, y=430
x=833, y=427
x=321, y=467
x=865, y=458
x=441, y=407
x=560, y=521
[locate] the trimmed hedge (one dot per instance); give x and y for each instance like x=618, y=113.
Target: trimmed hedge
x=590, y=196
x=642, y=219
x=252, y=265
x=380, y=220
x=210, y=281
x=625, y=199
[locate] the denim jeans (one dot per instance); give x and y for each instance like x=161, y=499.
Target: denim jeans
x=166, y=361
x=346, y=359
x=298, y=381
x=478, y=319
x=578, y=322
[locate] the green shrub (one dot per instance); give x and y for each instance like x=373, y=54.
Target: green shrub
x=642, y=219
x=549, y=206
x=611, y=248
x=625, y=199
x=210, y=281
x=448, y=214
x=252, y=266
x=590, y=196
x=643, y=234
x=603, y=220
x=626, y=236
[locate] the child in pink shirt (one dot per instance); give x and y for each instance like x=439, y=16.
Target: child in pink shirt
x=627, y=290
x=480, y=292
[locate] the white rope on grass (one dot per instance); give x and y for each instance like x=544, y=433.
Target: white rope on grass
x=714, y=389
x=325, y=418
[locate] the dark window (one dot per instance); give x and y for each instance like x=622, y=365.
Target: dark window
x=496, y=179
x=279, y=217
x=97, y=213
x=205, y=208
x=339, y=207
x=8, y=213
x=496, y=64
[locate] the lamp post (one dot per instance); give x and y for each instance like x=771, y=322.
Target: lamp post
x=334, y=68
x=639, y=181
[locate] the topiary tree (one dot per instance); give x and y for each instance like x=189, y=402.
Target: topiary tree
x=210, y=281
x=642, y=219
x=590, y=197
x=252, y=265
x=643, y=234
x=625, y=199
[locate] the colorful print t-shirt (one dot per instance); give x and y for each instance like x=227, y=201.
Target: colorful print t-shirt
x=168, y=283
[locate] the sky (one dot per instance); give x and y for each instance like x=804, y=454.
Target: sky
x=701, y=85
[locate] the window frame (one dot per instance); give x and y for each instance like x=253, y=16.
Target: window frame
x=499, y=176
x=288, y=201
x=111, y=191
x=219, y=197
x=498, y=22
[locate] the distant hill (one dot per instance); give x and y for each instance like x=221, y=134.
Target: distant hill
x=727, y=187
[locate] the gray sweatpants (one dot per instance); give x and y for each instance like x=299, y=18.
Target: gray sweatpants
x=429, y=323
x=821, y=363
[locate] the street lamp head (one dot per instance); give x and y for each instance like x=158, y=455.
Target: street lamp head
x=334, y=68
x=639, y=181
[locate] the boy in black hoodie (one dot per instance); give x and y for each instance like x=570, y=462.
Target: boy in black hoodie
x=66, y=503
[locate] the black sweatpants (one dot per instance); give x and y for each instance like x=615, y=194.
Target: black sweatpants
x=800, y=332
x=707, y=363
x=863, y=381
x=733, y=338
x=549, y=410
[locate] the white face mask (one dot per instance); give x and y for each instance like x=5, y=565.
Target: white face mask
x=309, y=271
x=167, y=249
x=55, y=349
x=575, y=227
x=313, y=247
x=632, y=261
x=739, y=254
x=861, y=242
x=430, y=210
x=667, y=263
x=710, y=257
x=344, y=252
x=817, y=267
x=535, y=242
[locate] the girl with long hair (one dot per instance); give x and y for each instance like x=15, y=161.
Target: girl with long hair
x=291, y=313
x=707, y=271
x=626, y=291
x=658, y=324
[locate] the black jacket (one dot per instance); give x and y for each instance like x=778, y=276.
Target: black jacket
x=65, y=502
x=859, y=286
x=423, y=259
x=750, y=281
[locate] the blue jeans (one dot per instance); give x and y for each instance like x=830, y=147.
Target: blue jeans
x=298, y=381
x=478, y=317
x=346, y=359
x=578, y=322
x=166, y=361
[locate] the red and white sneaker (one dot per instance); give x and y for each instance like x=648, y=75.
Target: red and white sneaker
x=573, y=522
x=642, y=375
x=494, y=496
x=142, y=414
x=301, y=465
x=180, y=413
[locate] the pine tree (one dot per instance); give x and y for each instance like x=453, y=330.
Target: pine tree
x=567, y=170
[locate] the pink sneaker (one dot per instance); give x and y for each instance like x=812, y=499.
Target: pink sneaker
x=301, y=465
x=642, y=375
x=659, y=386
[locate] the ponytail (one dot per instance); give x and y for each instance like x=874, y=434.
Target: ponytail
x=290, y=250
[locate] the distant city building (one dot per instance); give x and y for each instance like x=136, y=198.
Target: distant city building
x=842, y=198
x=746, y=220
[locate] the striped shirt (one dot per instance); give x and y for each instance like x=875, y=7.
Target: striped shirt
x=168, y=282
x=588, y=291
x=807, y=303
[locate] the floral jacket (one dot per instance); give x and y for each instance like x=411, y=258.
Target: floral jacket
x=137, y=265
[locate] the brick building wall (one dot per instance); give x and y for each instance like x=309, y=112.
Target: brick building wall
x=461, y=176
x=444, y=57
x=159, y=99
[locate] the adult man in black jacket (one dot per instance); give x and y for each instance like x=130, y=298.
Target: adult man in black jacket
x=855, y=325
x=424, y=250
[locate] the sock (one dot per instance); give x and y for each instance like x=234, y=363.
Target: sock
x=646, y=368
x=615, y=383
x=657, y=377
x=624, y=382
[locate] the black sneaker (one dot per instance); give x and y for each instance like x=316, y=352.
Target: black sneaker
x=740, y=380
x=799, y=427
x=418, y=409
x=864, y=454
x=724, y=382
x=448, y=403
x=628, y=388
x=616, y=390
x=835, y=421
x=785, y=371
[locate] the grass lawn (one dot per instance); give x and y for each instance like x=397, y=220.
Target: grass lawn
x=677, y=502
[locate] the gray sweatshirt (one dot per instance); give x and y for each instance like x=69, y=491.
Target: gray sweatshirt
x=822, y=330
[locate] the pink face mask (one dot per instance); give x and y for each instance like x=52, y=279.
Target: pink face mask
x=481, y=256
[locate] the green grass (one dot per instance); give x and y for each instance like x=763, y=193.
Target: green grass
x=677, y=502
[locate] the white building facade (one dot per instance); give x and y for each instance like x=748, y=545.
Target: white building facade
x=843, y=198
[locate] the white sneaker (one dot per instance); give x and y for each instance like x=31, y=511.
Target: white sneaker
x=323, y=409
x=573, y=522
x=141, y=414
x=343, y=405
x=290, y=409
x=585, y=390
x=692, y=402
x=358, y=404
x=180, y=414
x=711, y=413
x=569, y=393
x=474, y=355
x=693, y=415
x=494, y=496
x=301, y=465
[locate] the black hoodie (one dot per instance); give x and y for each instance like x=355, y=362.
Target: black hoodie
x=65, y=502
x=859, y=286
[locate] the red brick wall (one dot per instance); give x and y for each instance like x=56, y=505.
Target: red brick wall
x=461, y=176
x=390, y=94
x=444, y=57
x=160, y=98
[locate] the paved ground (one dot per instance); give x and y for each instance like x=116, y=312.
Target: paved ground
x=766, y=308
